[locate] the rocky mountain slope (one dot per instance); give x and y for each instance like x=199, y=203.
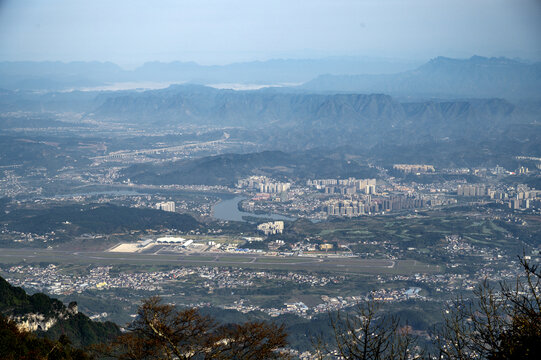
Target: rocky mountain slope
x=51, y=318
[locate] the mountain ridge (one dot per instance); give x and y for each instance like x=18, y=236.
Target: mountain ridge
x=476, y=77
x=446, y=77
x=58, y=75
x=343, y=117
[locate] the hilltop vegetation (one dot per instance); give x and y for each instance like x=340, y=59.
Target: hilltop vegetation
x=94, y=218
x=15, y=301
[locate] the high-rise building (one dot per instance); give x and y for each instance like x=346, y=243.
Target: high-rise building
x=166, y=206
x=370, y=189
x=471, y=190
x=514, y=204
x=275, y=227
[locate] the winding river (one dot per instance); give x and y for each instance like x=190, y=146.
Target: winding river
x=228, y=210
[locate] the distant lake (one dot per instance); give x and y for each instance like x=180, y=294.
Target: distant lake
x=228, y=210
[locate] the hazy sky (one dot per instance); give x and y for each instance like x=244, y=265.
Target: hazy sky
x=130, y=32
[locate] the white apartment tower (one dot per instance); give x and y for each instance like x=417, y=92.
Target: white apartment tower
x=166, y=206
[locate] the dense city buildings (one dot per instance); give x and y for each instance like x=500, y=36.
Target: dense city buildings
x=409, y=168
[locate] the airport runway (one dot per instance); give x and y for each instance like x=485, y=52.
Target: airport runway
x=323, y=264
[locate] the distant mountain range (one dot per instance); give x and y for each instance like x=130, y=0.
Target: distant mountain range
x=333, y=111
x=476, y=77
x=309, y=119
x=58, y=76
x=287, y=118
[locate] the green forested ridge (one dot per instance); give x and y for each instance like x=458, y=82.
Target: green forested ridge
x=94, y=218
x=15, y=301
x=82, y=331
x=226, y=169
